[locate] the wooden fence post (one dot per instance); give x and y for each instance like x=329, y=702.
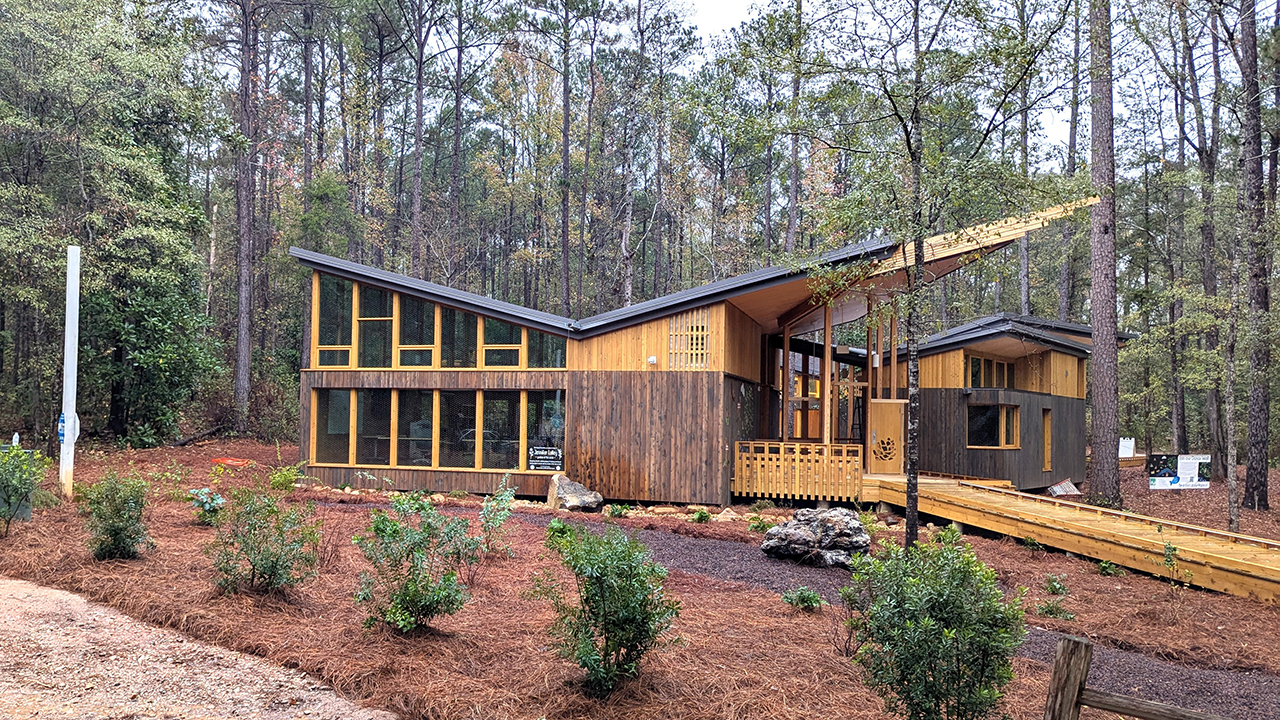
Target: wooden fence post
x=1070, y=673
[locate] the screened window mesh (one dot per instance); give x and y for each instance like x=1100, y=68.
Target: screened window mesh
x=335, y=357
x=373, y=427
x=417, y=321
x=375, y=343
x=501, y=357
x=335, y=311
x=457, y=339
x=497, y=332
x=333, y=421
x=545, y=430
x=501, y=429
x=375, y=302
x=984, y=425
x=457, y=428
x=546, y=351
x=414, y=427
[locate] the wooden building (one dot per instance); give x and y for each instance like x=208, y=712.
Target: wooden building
x=426, y=387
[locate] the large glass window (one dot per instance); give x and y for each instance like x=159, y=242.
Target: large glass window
x=506, y=337
x=414, y=427
x=458, y=428
x=501, y=430
x=989, y=373
x=333, y=426
x=375, y=327
x=546, y=351
x=457, y=338
x=417, y=331
x=994, y=426
x=373, y=427
x=333, y=334
x=545, y=430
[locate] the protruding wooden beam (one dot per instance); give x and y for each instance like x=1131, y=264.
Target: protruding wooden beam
x=825, y=386
x=893, y=355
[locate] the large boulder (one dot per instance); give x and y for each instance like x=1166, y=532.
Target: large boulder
x=818, y=537
x=565, y=493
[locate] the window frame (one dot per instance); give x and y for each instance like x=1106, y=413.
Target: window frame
x=1006, y=411
x=989, y=366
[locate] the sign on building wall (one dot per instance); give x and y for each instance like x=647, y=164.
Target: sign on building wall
x=1178, y=472
x=546, y=458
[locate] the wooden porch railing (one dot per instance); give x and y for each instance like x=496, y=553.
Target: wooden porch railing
x=801, y=471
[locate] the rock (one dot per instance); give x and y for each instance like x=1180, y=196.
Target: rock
x=727, y=515
x=818, y=537
x=565, y=493
x=891, y=520
x=665, y=510
x=694, y=508
x=437, y=498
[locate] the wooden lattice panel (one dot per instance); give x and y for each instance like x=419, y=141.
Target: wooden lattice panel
x=688, y=338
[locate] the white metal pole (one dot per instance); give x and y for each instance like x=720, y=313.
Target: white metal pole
x=70, y=366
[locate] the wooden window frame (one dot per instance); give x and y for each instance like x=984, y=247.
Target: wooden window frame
x=1046, y=428
x=482, y=346
x=1005, y=412
x=985, y=382
x=316, y=347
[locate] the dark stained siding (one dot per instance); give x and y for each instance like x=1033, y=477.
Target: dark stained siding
x=647, y=436
x=741, y=422
x=944, y=427
x=430, y=480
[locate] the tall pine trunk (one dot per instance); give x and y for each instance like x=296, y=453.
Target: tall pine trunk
x=245, y=185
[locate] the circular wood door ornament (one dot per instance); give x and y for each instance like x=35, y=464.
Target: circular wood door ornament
x=885, y=450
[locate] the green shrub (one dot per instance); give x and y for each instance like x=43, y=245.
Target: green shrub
x=207, y=504
x=761, y=505
x=803, y=598
x=20, y=476
x=42, y=499
x=114, y=507
x=700, y=516
x=494, y=513
x=1106, y=568
x=262, y=546
x=1032, y=544
x=459, y=494
x=1054, y=609
x=621, y=610
x=282, y=479
x=172, y=481
x=759, y=524
x=1056, y=584
x=617, y=511
x=557, y=529
x=933, y=631
x=413, y=550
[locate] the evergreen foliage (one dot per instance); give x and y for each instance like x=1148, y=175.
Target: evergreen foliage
x=114, y=507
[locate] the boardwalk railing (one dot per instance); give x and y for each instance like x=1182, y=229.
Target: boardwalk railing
x=800, y=471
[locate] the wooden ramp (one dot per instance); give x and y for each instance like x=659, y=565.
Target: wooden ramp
x=1214, y=559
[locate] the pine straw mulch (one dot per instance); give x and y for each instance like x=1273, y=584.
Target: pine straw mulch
x=1207, y=508
x=743, y=653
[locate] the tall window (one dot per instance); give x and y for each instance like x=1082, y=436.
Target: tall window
x=502, y=342
x=417, y=331
x=333, y=331
x=990, y=373
x=544, y=430
x=373, y=427
x=501, y=430
x=375, y=327
x=414, y=427
x=546, y=351
x=993, y=426
x=457, y=338
x=333, y=426
x=458, y=428
x=1048, y=439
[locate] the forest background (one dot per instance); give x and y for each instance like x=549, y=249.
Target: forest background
x=580, y=155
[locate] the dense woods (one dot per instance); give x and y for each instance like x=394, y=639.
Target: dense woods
x=581, y=155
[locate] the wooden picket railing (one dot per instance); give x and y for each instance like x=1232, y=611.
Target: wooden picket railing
x=1068, y=692
x=796, y=470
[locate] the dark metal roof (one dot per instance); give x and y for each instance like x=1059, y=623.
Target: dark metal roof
x=1021, y=327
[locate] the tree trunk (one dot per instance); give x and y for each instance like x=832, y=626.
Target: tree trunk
x=768, y=175
x=1067, y=275
x=416, y=250
x=564, y=165
x=308, y=75
x=1105, y=376
x=245, y=217
x=793, y=173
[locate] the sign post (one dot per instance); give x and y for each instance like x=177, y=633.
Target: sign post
x=69, y=423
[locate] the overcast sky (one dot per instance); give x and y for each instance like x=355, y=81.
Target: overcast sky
x=715, y=16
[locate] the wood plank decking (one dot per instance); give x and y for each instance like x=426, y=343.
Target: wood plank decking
x=1214, y=559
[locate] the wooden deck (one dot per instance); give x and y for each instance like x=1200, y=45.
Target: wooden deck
x=1218, y=560
x=798, y=471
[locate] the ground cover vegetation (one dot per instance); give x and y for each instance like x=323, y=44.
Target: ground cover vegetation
x=21, y=474
x=578, y=158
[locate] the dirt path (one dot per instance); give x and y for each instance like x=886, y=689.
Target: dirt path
x=63, y=656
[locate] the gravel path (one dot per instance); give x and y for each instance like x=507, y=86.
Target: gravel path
x=1239, y=695
x=61, y=655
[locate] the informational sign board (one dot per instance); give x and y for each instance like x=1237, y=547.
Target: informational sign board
x=1178, y=472
x=546, y=458
x=1127, y=446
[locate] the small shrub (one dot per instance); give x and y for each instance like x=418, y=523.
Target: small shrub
x=701, y=515
x=1032, y=544
x=558, y=529
x=42, y=499
x=621, y=611
x=282, y=479
x=1053, y=609
x=761, y=505
x=172, y=481
x=494, y=513
x=1106, y=568
x=262, y=546
x=114, y=507
x=207, y=504
x=459, y=494
x=20, y=477
x=933, y=631
x=413, y=550
x=1056, y=584
x=871, y=522
x=617, y=511
x=803, y=598
x=759, y=524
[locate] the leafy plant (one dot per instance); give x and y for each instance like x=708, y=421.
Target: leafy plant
x=617, y=510
x=621, y=611
x=1053, y=608
x=558, y=529
x=262, y=546
x=282, y=479
x=413, y=551
x=759, y=524
x=42, y=499
x=1172, y=566
x=871, y=523
x=1106, y=568
x=1032, y=544
x=207, y=504
x=933, y=631
x=761, y=505
x=114, y=508
x=701, y=515
x=1056, y=584
x=459, y=494
x=20, y=477
x=494, y=513
x=803, y=598
x=172, y=481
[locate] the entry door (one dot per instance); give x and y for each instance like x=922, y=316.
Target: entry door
x=886, y=445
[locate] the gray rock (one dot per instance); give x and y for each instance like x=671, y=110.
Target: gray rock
x=565, y=493
x=818, y=537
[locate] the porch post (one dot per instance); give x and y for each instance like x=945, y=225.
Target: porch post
x=825, y=385
x=893, y=353
x=788, y=418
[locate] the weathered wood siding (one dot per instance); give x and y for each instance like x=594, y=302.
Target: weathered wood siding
x=647, y=436
x=484, y=482
x=631, y=347
x=742, y=338
x=944, y=420
x=942, y=370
